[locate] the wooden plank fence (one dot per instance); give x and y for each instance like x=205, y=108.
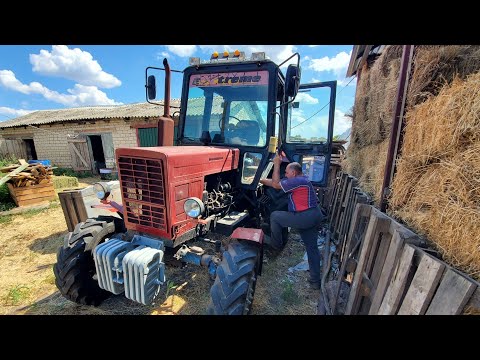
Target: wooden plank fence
x=387, y=267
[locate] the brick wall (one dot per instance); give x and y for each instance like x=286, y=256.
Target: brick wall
x=51, y=141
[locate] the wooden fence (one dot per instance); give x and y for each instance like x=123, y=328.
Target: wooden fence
x=387, y=267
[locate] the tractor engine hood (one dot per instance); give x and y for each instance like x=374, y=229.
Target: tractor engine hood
x=156, y=181
x=186, y=161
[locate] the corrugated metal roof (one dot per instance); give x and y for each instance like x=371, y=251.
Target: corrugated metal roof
x=136, y=110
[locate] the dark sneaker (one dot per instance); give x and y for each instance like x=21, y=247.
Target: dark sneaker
x=267, y=240
x=265, y=228
x=315, y=285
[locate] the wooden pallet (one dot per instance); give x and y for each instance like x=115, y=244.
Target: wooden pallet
x=392, y=274
x=34, y=194
x=422, y=284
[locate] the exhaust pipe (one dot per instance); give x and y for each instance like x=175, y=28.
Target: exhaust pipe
x=166, y=102
x=165, y=123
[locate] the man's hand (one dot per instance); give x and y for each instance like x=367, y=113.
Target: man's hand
x=277, y=160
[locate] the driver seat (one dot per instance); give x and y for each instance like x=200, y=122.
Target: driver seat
x=248, y=131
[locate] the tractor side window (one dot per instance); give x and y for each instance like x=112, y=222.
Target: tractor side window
x=308, y=116
x=251, y=161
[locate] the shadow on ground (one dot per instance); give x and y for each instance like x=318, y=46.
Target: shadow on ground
x=49, y=244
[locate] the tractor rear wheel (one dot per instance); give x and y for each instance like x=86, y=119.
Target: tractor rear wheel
x=234, y=286
x=75, y=266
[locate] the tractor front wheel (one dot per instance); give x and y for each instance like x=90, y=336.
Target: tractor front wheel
x=234, y=286
x=75, y=267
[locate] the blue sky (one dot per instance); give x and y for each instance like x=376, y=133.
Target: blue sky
x=43, y=77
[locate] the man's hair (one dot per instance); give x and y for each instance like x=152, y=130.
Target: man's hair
x=297, y=167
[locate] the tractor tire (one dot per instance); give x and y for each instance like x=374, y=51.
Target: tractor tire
x=75, y=266
x=234, y=286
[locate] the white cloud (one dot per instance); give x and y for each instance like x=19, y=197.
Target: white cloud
x=306, y=98
x=9, y=113
x=182, y=50
x=73, y=64
x=90, y=95
x=80, y=95
x=314, y=80
x=162, y=54
x=337, y=64
x=312, y=46
x=341, y=122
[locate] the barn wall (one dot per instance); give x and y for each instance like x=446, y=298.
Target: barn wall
x=51, y=141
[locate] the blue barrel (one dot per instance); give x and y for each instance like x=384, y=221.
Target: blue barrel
x=43, y=162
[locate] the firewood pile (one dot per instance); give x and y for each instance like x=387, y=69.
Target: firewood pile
x=24, y=174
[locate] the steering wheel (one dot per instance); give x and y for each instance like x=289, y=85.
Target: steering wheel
x=230, y=116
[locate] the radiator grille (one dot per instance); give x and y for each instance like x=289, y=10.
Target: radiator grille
x=143, y=188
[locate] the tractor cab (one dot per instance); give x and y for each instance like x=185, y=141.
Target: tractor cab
x=249, y=104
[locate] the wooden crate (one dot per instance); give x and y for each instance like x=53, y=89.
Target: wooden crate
x=28, y=195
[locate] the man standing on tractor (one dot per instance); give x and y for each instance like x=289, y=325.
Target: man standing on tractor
x=303, y=214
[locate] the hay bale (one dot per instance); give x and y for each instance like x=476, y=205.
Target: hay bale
x=367, y=164
x=436, y=188
x=62, y=182
x=436, y=66
x=444, y=124
x=375, y=94
x=444, y=205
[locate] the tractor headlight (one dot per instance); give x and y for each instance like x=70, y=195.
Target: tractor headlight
x=194, y=207
x=102, y=190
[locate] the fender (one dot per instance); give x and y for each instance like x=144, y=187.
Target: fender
x=254, y=236
x=250, y=234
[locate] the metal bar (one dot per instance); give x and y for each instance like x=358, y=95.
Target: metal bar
x=397, y=121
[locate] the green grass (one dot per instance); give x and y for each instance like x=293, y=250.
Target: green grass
x=289, y=295
x=5, y=219
x=71, y=173
x=8, y=160
x=6, y=201
x=16, y=295
x=170, y=286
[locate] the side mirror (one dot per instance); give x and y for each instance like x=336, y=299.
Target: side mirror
x=292, y=80
x=151, y=88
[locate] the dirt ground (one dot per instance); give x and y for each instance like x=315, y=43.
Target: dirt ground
x=28, y=246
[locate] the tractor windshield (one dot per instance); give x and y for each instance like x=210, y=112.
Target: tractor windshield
x=228, y=108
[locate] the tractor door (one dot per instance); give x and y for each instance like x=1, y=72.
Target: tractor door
x=307, y=134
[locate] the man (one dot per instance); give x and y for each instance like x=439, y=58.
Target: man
x=303, y=214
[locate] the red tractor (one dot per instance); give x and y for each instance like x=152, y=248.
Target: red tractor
x=235, y=113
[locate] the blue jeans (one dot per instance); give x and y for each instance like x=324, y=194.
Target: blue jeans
x=306, y=223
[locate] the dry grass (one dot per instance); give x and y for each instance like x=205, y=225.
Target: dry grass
x=369, y=163
x=374, y=99
x=437, y=185
x=28, y=245
x=437, y=66
x=433, y=68
x=444, y=124
x=28, y=248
